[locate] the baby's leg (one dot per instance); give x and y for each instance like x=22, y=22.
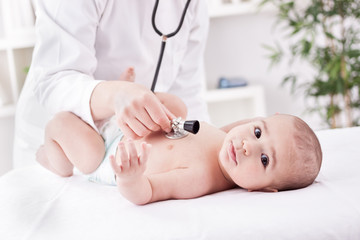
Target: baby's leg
x=70, y=142
x=128, y=75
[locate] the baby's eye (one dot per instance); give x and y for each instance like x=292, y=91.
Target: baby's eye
x=257, y=132
x=264, y=160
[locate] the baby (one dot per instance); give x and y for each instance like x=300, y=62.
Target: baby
x=276, y=153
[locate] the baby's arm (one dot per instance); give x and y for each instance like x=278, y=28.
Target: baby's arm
x=180, y=183
x=129, y=170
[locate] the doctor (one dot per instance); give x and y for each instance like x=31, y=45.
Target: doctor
x=82, y=48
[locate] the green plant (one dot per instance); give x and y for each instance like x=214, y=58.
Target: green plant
x=26, y=69
x=326, y=34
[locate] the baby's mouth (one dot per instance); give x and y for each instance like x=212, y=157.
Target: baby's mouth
x=232, y=153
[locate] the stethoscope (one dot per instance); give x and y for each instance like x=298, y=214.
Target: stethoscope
x=180, y=128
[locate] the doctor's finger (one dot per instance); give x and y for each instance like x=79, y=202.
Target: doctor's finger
x=169, y=114
x=143, y=117
x=138, y=127
x=158, y=115
x=127, y=131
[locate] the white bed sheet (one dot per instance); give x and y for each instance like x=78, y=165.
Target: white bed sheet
x=35, y=204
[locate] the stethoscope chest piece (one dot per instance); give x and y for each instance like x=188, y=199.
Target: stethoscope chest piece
x=176, y=135
x=181, y=129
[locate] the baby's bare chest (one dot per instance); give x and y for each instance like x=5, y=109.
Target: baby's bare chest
x=193, y=151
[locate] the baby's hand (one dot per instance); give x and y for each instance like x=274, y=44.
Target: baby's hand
x=129, y=166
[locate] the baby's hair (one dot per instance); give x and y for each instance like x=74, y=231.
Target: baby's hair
x=305, y=157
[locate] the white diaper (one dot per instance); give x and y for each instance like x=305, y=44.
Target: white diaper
x=104, y=174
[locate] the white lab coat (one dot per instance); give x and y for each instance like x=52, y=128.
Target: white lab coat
x=83, y=42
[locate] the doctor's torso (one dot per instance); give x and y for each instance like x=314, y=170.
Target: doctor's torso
x=134, y=42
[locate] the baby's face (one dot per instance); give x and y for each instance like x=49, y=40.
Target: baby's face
x=255, y=155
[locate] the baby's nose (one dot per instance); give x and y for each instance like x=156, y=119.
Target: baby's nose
x=249, y=147
x=245, y=147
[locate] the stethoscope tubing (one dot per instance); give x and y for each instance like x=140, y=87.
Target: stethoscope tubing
x=164, y=38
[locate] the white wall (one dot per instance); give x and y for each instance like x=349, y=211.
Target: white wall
x=235, y=49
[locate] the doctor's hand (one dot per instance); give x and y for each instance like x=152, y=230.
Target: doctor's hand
x=139, y=112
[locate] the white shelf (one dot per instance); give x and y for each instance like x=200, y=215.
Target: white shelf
x=235, y=7
x=17, y=39
x=228, y=94
x=15, y=50
x=232, y=104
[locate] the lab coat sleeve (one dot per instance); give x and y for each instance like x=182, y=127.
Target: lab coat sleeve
x=64, y=57
x=190, y=80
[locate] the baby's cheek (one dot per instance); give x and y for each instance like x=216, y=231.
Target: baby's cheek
x=249, y=177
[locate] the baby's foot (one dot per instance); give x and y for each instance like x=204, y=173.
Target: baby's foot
x=128, y=75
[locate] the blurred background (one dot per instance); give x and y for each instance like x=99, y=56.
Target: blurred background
x=243, y=42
